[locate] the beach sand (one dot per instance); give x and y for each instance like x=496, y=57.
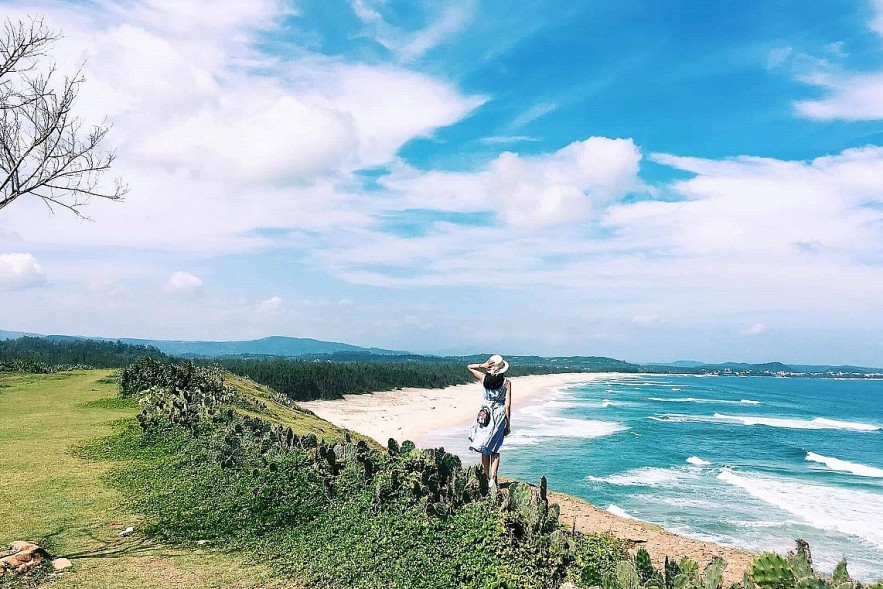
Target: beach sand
x=410, y=414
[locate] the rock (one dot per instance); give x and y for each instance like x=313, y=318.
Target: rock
x=201, y=542
x=21, y=557
x=59, y=564
x=568, y=585
x=127, y=532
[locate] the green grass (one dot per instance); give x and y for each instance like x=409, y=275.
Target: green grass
x=48, y=492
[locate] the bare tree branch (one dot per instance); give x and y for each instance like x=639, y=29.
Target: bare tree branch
x=45, y=149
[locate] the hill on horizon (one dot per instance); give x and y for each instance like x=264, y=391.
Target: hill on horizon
x=299, y=347
x=266, y=346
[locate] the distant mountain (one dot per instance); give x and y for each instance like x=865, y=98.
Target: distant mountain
x=16, y=334
x=769, y=367
x=267, y=346
x=684, y=364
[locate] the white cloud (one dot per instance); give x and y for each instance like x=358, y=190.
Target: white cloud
x=851, y=97
x=218, y=139
x=498, y=139
x=754, y=329
x=848, y=96
x=272, y=305
x=648, y=320
x=20, y=271
x=533, y=113
x=183, y=283
x=877, y=22
x=530, y=192
x=408, y=46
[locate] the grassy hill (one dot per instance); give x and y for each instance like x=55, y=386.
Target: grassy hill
x=49, y=491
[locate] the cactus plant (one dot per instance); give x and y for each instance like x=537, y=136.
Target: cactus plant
x=771, y=571
x=645, y=568
x=841, y=575
x=670, y=571
x=714, y=574
x=627, y=576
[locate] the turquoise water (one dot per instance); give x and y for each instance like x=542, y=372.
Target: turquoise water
x=753, y=462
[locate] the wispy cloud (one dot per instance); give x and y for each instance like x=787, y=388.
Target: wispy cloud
x=533, y=113
x=410, y=45
x=877, y=21
x=183, y=283
x=20, y=271
x=504, y=139
x=754, y=329
x=848, y=95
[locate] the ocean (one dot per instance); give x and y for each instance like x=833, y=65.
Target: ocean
x=751, y=462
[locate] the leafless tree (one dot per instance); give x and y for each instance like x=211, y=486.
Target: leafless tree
x=46, y=151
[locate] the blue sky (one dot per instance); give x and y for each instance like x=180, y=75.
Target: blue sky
x=650, y=181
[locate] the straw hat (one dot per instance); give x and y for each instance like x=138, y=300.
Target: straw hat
x=496, y=365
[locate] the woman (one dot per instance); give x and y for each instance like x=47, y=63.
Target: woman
x=494, y=418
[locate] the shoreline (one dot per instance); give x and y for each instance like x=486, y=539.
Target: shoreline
x=412, y=413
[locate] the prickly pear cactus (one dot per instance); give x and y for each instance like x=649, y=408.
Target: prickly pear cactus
x=645, y=568
x=801, y=562
x=841, y=575
x=714, y=574
x=812, y=583
x=627, y=576
x=771, y=571
x=671, y=570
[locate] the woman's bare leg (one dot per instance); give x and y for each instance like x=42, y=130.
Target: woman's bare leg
x=495, y=466
x=486, y=464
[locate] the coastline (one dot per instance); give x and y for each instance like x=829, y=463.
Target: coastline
x=412, y=413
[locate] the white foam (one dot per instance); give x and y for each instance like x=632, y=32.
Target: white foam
x=643, y=477
x=782, y=422
x=562, y=427
x=815, y=423
x=853, y=512
x=606, y=403
x=619, y=511
x=696, y=461
x=749, y=402
x=696, y=400
x=855, y=468
x=675, y=388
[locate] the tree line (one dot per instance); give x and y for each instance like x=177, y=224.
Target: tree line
x=37, y=354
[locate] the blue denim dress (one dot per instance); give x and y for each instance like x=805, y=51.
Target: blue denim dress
x=487, y=439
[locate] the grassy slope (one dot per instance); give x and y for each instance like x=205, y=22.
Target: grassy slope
x=46, y=491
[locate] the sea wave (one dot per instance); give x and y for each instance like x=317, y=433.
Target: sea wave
x=646, y=476
x=700, y=400
x=617, y=510
x=853, y=512
x=862, y=470
x=562, y=427
x=696, y=461
x=782, y=422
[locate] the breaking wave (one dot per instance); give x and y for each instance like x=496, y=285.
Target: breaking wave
x=783, y=422
x=857, y=513
x=862, y=470
x=696, y=461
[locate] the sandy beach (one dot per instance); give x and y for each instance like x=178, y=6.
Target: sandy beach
x=410, y=414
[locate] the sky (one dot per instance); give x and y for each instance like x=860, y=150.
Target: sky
x=651, y=181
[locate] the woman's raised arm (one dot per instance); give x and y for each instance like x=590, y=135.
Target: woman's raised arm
x=476, y=372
